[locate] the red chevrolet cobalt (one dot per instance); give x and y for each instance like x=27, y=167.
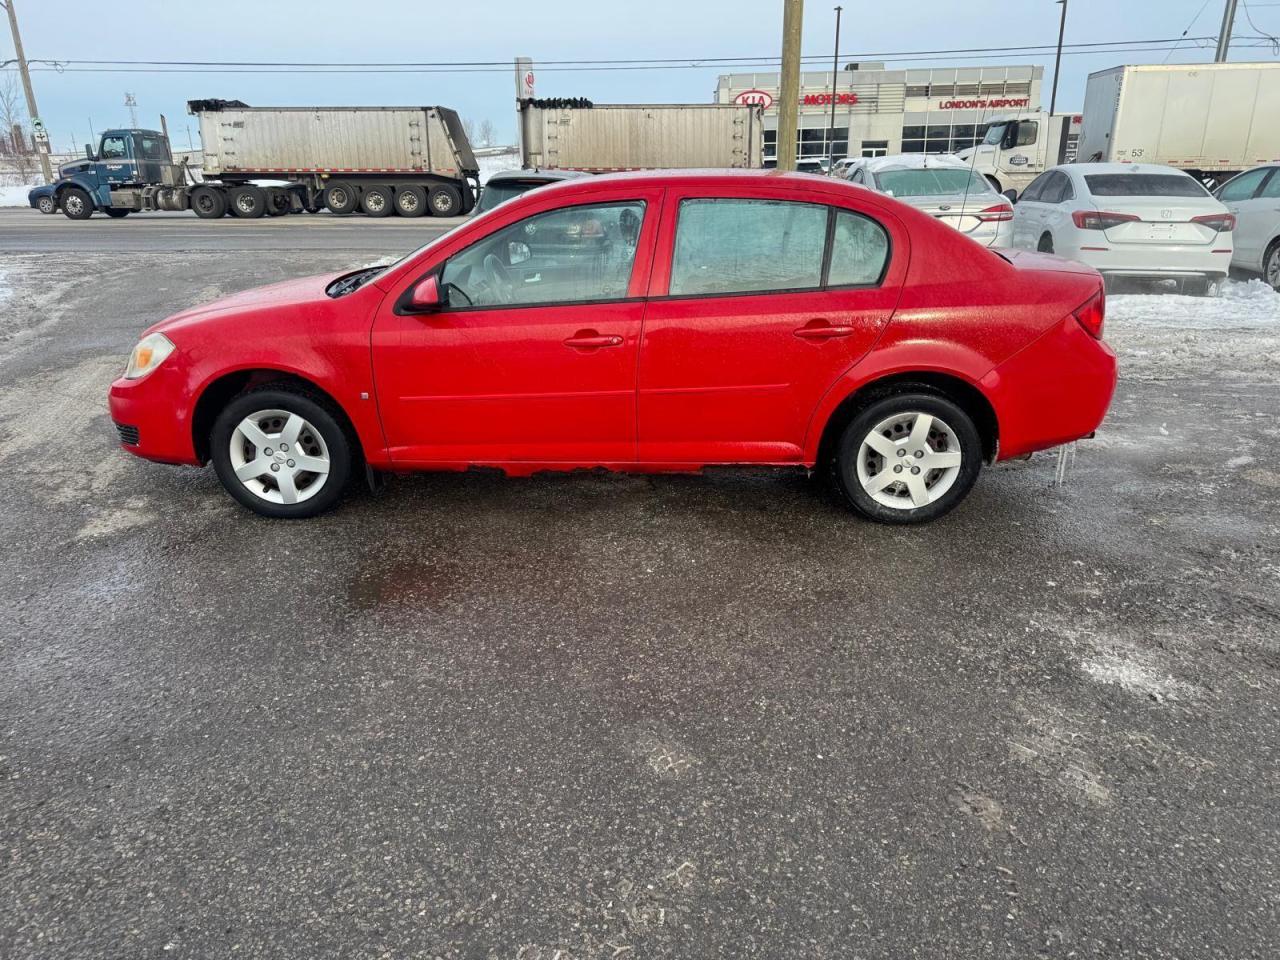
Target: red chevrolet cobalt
x=642, y=322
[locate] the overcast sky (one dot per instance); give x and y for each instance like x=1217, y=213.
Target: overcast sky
x=497, y=30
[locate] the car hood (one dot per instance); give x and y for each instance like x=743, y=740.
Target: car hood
x=290, y=293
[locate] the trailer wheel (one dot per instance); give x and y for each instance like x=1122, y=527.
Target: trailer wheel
x=76, y=204
x=248, y=201
x=278, y=202
x=378, y=202
x=208, y=203
x=115, y=213
x=411, y=201
x=444, y=201
x=340, y=198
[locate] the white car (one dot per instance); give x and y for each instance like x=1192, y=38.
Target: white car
x=942, y=186
x=1254, y=197
x=1138, y=220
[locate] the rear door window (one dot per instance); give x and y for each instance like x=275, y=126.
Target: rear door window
x=1243, y=187
x=859, y=251
x=1035, y=188
x=1272, y=189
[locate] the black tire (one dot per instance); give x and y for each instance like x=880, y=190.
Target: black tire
x=248, y=202
x=378, y=201
x=1046, y=243
x=911, y=400
x=1271, y=265
x=115, y=213
x=444, y=200
x=340, y=198
x=208, y=203
x=47, y=205
x=76, y=203
x=411, y=201
x=278, y=202
x=1196, y=286
x=318, y=413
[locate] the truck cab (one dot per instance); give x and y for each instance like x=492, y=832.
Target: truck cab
x=1019, y=147
x=112, y=178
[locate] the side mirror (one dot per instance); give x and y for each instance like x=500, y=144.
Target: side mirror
x=88, y=151
x=425, y=296
x=518, y=252
x=1011, y=195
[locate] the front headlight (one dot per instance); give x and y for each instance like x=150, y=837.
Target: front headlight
x=150, y=352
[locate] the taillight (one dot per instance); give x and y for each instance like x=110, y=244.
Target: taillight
x=1100, y=219
x=1091, y=313
x=997, y=214
x=1222, y=222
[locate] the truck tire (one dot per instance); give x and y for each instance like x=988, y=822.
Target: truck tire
x=444, y=201
x=77, y=204
x=378, y=201
x=411, y=201
x=208, y=203
x=115, y=213
x=249, y=202
x=340, y=198
x=278, y=202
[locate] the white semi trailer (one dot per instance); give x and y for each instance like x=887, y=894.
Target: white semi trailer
x=1212, y=120
x=603, y=138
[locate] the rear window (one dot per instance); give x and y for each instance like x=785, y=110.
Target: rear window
x=1143, y=185
x=939, y=182
x=504, y=190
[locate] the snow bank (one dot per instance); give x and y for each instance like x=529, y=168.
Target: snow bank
x=15, y=196
x=1251, y=304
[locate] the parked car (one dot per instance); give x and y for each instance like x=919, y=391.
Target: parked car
x=841, y=169
x=43, y=198
x=944, y=187
x=672, y=321
x=1128, y=220
x=1254, y=198
x=508, y=184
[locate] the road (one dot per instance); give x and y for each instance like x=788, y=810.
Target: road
x=607, y=716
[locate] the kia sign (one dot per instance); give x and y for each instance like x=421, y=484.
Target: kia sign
x=524, y=78
x=754, y=98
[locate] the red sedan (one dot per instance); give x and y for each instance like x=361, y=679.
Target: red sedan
x=642, y=322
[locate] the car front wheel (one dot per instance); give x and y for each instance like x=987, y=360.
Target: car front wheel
x=908, y=458
x=281, y=452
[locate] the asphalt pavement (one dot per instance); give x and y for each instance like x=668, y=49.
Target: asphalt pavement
x=609, y=716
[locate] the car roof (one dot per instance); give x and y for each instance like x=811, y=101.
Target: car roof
x=695, y=178
x=549, y=176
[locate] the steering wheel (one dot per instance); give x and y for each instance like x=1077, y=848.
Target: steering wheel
x=499, y=278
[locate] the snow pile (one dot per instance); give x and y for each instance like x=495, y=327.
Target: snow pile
x=15, y=196
x=1251, y=304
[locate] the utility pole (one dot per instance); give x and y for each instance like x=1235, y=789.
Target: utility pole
x=835, y=72
x=789, y=87
x=1224, y=35
x=131, y=102
x=40, y=135
x=1057, y=63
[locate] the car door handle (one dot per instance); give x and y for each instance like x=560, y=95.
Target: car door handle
x=821, y=330
x=590, y=340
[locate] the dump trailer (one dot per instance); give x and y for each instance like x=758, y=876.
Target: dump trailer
x=602, y=138
x=1212, y=120
x=276, y=160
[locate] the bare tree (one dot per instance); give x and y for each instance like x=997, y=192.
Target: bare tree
x=469, y=128
x=19, y=160
x=487, y=133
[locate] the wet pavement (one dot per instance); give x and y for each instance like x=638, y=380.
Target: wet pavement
x=600, y=716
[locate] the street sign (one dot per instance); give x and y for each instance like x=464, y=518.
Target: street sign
x=37, y=126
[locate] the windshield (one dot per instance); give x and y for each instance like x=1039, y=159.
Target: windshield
x=937, y=182
x=1143, y=185
x=503, y=190
x=994, y=133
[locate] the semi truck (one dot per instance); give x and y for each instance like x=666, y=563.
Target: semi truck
x=1212, y=120
x=1018, y=147
x=270, y=161
x=602, y=138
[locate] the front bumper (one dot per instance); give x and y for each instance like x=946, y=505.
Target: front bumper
x=151, y=418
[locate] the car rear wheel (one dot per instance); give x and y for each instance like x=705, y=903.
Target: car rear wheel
x=1046, y=244
x=1271, y=265
x=76, y=204
x=281, y=452
x=908, y=458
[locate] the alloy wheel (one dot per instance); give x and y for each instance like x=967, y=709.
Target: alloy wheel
x=1273, y=267
x=909, y=460
x=279, y=456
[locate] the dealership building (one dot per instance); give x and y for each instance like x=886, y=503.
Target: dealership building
x=881, y=111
